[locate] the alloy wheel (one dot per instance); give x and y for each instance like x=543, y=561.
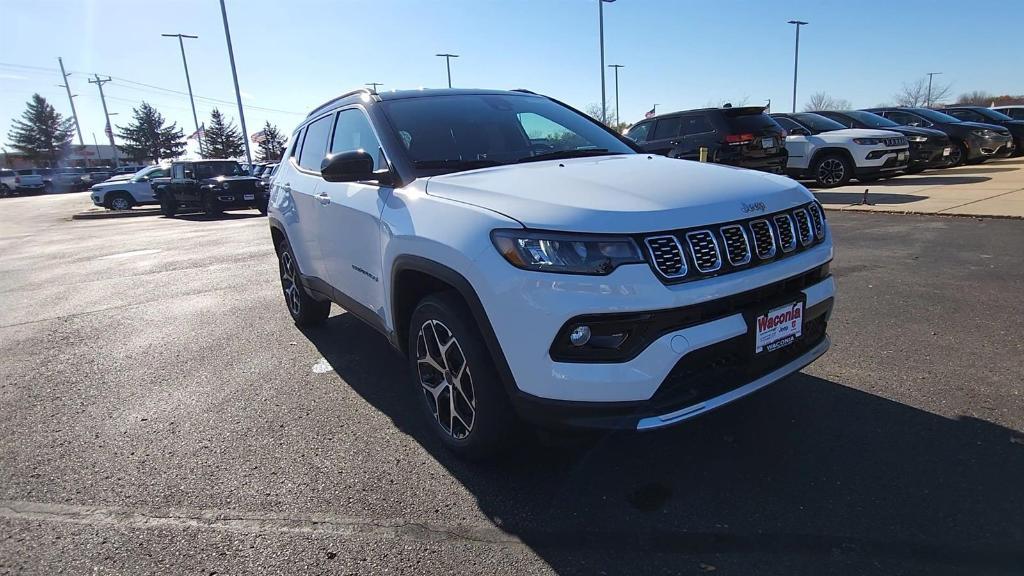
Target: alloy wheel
x=955, y=156
x=289, y=284
x=445, y=379
x=831, y=171
x=120, y=203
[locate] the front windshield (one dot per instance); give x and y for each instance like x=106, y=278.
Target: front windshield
x=871, y=120
x=459, y=132
x=818, y=123
x=215, y=169
x=937, y=116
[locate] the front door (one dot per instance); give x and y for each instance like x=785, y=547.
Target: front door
x=349, y=219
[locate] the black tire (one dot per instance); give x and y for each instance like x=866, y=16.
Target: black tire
x=304, y=309
x=119, y=201
x=168, y=205
x=831, y=170
x=445, y=350
x=914, y=169
x=210, y=206
x=263, y=206
x=957, y=156
x=4, y=191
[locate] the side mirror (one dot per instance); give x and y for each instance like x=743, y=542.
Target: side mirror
x=353, y=166
x=189, y=175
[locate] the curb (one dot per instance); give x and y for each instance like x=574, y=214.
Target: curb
x=101, y=215
x=919, y=213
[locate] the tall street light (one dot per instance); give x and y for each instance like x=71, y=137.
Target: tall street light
x=188, y=82
x=796, y=57
x=234, y=75
x=448, y=64
x=929, y=99
x=374, y=85
x=600, y=25
x=616, y=67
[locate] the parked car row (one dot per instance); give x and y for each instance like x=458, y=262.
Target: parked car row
x=37, y=180
x=833, y=147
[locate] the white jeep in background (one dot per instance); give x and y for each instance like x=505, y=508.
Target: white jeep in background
x=123, y=194
x=830, y=154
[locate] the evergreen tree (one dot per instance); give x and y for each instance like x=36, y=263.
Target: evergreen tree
x=147, y=138
x=42, y=134
x=221, y=138
x=271, y=144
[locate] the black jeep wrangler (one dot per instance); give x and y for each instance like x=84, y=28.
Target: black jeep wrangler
x=208, y=185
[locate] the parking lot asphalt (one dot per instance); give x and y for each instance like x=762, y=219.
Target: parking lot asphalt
x=995, y=188
x=161, y=414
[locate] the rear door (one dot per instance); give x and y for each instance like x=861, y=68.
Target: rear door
x=695, y=131
x=664, y=136
x=349, y=218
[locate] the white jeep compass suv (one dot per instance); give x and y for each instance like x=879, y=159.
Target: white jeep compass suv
x=533, y=266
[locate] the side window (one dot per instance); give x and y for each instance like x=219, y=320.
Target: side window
x=905, y=118
x=178, y=172
x=667, y=128
x=968, y=115
x=786, y=123
x=314, y=145
x=353, y=132
x=696, y=125
x=162, y=173
x=638, y=133
x=1015, y=113
x=295, y=144
x=838, y=118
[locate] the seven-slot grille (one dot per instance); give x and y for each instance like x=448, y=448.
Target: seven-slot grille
x=723, y=248
x=667, y=255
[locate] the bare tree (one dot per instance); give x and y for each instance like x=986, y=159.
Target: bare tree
x=916, y=93
x=822, y=101
x=976, y=97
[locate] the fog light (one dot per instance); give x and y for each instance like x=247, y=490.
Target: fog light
x=580, y=335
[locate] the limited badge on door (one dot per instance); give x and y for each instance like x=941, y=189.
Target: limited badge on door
x=779, y=328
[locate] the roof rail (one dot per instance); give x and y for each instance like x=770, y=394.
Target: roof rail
x=342, y=97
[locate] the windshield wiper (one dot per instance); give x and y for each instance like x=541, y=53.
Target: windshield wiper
x=562, y=154
x=455, y=163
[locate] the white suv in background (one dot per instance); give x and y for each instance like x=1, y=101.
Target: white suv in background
x=135, y=191
x=830, y=154
x=533, y=266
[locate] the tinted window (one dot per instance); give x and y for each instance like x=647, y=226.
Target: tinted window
x=314, y=146
x=1015, y=113
x=817, y=122
x=7, y=173
x=968, y=115
x=870, y=120
x=178, y=171
x=935, y=116
x=906, y=118
x=638, y=133
x=695, y=125
x=353, y=132
x=667, y=128
x=846, y=122
x=757, y=123
x=990, y=114
x=215, y=169
x=786, y=123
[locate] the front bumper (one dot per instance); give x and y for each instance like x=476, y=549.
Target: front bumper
x=929, y=154
x=982, y=147
x=871, y=161
x=527, y=310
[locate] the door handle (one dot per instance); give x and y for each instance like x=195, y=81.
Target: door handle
x=324, y=198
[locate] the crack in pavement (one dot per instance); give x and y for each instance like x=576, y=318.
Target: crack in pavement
x=249, y=522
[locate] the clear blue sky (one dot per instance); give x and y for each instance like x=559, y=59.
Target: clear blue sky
x=293, y=55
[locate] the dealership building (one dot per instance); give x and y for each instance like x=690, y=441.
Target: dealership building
x=80, y=156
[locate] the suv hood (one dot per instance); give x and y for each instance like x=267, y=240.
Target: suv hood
x=982, y=126
x=849, y=133
x=631, y=193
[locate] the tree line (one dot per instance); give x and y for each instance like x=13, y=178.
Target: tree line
x=44, y=136
x=917, y=94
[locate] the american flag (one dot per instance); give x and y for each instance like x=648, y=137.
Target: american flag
x=201, y=133
x=258, y=137
x=649, y=113
x=108, y=131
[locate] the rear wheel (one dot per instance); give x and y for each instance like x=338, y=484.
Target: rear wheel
x=304, y=309
x=832, y=170
x=455, y=378
x=119, y=201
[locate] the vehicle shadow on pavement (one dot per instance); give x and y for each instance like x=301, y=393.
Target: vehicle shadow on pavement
x=929, y=180
x=804, y=474
x=873, y=197
x=201, y=217
x=974, y=169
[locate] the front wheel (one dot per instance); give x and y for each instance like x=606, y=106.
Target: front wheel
x=120, y=201
x=831, y=171
x=455, y=379
x=168, y=205
x=957, y=156
x=210, y=206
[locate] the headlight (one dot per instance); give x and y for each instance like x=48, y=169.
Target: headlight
x=868, y=141
x=985, y=133
x=917, y=138
x=565, y=253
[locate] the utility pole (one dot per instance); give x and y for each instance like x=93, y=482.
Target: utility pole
x=99, y=82
x=600, y=24
x=616, y=67
x=448, y=63
x=71, y=99
x=188, y=82
x=374, y=85
x=928, y=101
x=796, y=57
x=234, y=75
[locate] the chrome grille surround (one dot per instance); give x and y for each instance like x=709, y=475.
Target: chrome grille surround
x=704, y=249
x=803, y=226
x=667, y=256
x=764, y=239
x=737, y=245
x=784, y=227
x=818, y=219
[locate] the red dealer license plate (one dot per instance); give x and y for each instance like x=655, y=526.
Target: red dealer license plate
x=779, y=328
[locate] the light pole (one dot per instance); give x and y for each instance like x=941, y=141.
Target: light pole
x=188, y=82
x=929, y=99
x=600, y=27
x=374, y=85
x=99, y=82
x=616, y=67
x=448, y=64
x=796, y=57
x=71, y=99
x=234, y=75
